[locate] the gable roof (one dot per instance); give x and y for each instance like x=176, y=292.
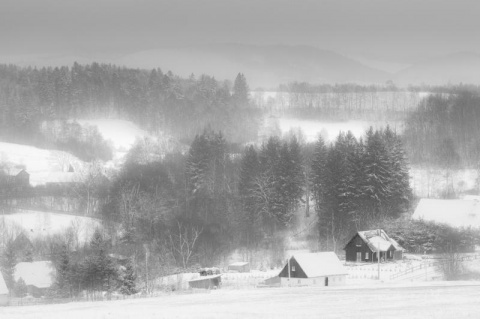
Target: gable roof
x=37, y=273
x=14, y=171
x=320, y=264
x=378, y=240
x=3, y=286
x=239, y=263
x=453, y=212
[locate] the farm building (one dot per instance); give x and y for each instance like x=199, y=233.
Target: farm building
x=365, y=245
x=453, y=212
x=239, y=267
x=3, y=292
x=38, y=276
x=206, y=282
x=313, y=269
x=18, y=177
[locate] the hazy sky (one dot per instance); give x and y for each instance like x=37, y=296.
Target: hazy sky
x=399, y=30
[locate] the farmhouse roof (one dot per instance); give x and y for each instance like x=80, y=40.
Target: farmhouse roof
x=320, y=264
x=378, y=240
x=14, y=171
x=3, y=286
x=239, y=263
x=206, y=277
x=37, y=273
x=453, y=212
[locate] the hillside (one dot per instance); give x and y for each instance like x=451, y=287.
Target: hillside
x=450, y=69
x=264, y=66
x=43, y=165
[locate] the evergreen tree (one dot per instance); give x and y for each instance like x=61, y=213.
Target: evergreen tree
x=9, y=261
x=128, y=286
x=20, y=288
x=241, y=90
x=62, y=276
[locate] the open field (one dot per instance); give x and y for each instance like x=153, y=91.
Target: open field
x=433, y=300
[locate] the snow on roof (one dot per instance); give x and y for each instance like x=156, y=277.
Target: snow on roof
x=205, y=277
x=13, y=171
x=37, y=273
x=378, y=240
x=239, y=264
x=3, y=286
x=453, y=212
x=320, y=264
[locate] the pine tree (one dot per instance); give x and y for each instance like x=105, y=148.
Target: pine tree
x=62, y=276
x=240, y=90
x=128, y=286
x=9, y=261
x=20, y=288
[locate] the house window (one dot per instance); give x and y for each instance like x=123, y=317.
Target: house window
x=293, y=268
x=367, y=255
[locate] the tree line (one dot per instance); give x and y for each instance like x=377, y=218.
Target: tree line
x=156, y=101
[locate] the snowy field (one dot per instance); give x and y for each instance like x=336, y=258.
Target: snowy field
x=42, y=165
x=433, y=300
x=36, y=224
x=122, y=134
x=430, y=183
x=329, y=130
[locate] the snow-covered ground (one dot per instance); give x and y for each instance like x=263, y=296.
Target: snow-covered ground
x=431, y=183
x=121, y=133
x=427, y=300
x=36, y=224
x=329, y=130
x=43, y=165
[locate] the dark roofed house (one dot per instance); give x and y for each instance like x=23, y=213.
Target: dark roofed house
x=313, y=269
x=365, y=245
x=18, y=177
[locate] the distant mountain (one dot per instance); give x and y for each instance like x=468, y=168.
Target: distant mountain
x=454, y=68
x=264, y=66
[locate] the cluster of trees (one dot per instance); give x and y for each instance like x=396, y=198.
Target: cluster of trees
x=355, y=183
x=152, y=99
x=94, y=270
x=444, y=131
x=270, y=187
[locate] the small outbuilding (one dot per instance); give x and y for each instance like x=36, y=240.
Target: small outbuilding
x=3, y=292
x=239, y=267
x=313, y=269
x=206, y=282
x=364, y=246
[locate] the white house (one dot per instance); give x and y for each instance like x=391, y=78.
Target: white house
x=313, y=269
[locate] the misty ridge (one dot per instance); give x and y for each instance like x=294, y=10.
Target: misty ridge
x=173, y=155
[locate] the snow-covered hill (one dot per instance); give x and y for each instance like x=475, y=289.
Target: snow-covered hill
x=37, y=225
x=43, y=165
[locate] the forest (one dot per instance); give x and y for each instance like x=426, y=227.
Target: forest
x=229, y=191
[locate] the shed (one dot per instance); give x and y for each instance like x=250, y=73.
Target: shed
x=241, y=266
x=364, y=246
x=313, y=269
x=453, y=212
x=206, y=282
x=38, y=276
x=3, y=292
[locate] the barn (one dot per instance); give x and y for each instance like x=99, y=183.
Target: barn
x=206, y=282
x=38, y=276
x=239, y=267
x=18, y=177
x=313, y=269
x=3, y=292
x=364, y=246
